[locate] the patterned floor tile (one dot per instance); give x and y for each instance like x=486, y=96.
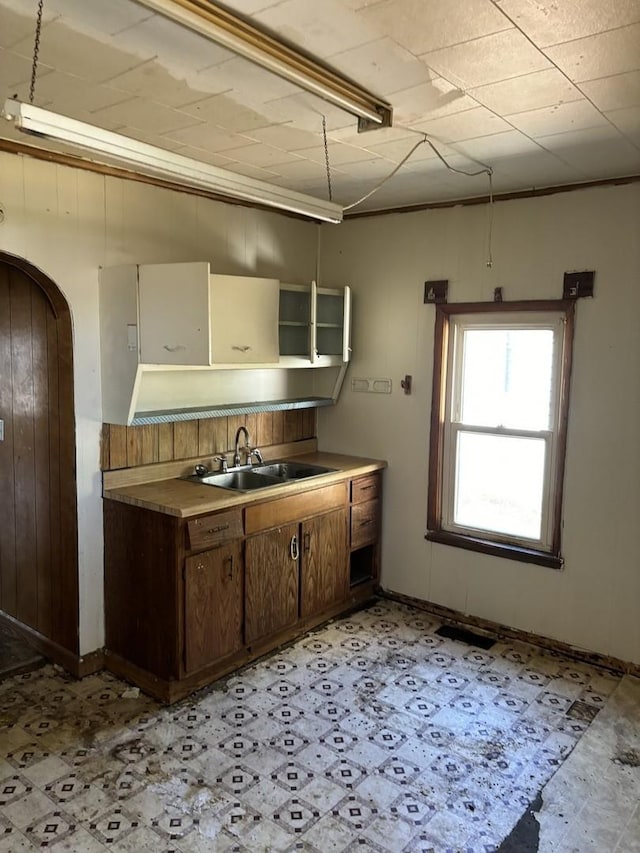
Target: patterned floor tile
x=370, y=734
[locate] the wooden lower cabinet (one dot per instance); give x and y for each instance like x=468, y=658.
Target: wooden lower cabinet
x=190, y=600
x=324, y=574
x=272, y=578
x=213, y=605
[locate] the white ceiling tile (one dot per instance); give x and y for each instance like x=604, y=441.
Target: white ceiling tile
x=426, y=25
x=285, y=136
x=596, y=152
x=576, y=115
x=91, y=17
x=434, y=99
x=339, y=154
x=467, y=125
x=209, y=138
x=533, y=91
x=15, y=69
x=614, y=93
x=541, y=168
x=305, y=111
x=71, y=95
x=367, y=138
x=487, y=60
x=250, y=7
x=152, y=80
x=78, y=54
x=250, y=171
x=369, y=170
x=628, y=122
x=382, y=66
x=358, y=4
x=18, y=22
x=260, y=155
x=175, y=47
x=323, y=31
x=492, y=149
x=613, y=52
x=227, y=111
x=397, y=150
x=158, y=141
x=551, y=23
x=303, y=170
x=145, y=115
x=252, y=82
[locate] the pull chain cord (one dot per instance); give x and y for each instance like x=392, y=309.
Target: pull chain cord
x=490, y=229
x=326, y=156
x=36, y=51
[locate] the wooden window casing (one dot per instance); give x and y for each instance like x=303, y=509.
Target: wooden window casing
x=499, y=547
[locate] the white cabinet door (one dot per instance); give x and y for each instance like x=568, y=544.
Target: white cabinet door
x=189, y=317
x=244, y=319
x=174, y=313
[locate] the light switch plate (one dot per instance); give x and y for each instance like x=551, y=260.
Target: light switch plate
x=372, y=386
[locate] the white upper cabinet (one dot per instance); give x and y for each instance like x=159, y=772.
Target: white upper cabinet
x=187, y=316
x=315, y=324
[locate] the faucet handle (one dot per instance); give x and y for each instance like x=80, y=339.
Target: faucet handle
x=224, y=467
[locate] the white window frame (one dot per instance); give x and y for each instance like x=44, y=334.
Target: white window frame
x=446, y=425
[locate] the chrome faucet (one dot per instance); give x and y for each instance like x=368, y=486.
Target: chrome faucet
x=250, y=451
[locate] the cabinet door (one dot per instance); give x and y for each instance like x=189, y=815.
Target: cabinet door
x=271, y=601
x=213, y=605
x=325, y=570
x=331, y=324
x=244, y=319
x=174, y=313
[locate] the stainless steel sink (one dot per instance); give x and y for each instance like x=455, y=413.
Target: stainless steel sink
x=291, y=470
x=239, y=481
x=247, y=479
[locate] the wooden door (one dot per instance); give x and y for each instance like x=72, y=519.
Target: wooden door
x=38, y=533
x=271, y=576
x=324, y=573
x=213, y=605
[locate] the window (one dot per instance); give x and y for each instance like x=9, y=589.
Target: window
x=498, y=427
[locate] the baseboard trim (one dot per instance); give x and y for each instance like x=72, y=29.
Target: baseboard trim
x=76, y=665
x=496, y=629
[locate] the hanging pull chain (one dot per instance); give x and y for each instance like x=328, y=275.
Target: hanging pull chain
x=326, y=156
x=36, y=51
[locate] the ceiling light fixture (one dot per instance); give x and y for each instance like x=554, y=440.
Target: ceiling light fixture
x=157, y=162
x=244, y=39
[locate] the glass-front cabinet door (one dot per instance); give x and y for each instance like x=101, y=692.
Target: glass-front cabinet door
x=315, y=324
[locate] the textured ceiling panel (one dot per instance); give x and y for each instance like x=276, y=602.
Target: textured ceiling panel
x=543, y=93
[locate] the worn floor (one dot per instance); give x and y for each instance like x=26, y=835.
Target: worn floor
x=16, y=655
x=372, y=734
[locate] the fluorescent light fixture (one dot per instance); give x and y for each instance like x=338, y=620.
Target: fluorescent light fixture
x=241, y=37
x=156, y=162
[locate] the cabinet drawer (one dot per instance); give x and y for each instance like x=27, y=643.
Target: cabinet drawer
x=294, y=508
x=211, y=529
x=365, y=523
x=365, y=488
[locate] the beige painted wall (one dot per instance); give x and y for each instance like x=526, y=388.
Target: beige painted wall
x=69, y=223
x=594, y=602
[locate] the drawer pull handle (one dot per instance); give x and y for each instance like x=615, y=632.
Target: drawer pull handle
x=218, y=529
x=229, y=560
x=306, y=543
x=367, y=522
x=293, y=548
x=366, y=488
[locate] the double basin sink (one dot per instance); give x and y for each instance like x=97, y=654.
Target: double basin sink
x=248, y=478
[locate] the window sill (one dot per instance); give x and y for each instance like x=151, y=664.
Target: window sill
x=496, y=549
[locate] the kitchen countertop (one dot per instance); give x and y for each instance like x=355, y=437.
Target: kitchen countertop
x=185, y=499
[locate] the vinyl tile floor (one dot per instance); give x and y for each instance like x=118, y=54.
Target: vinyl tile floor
x=373, y=733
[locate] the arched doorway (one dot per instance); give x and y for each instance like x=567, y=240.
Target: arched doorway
x=38, y=531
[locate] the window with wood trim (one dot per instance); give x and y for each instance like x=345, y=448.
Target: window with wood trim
x=498, y=427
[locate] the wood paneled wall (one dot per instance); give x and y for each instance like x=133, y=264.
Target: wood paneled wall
x=127, y=447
